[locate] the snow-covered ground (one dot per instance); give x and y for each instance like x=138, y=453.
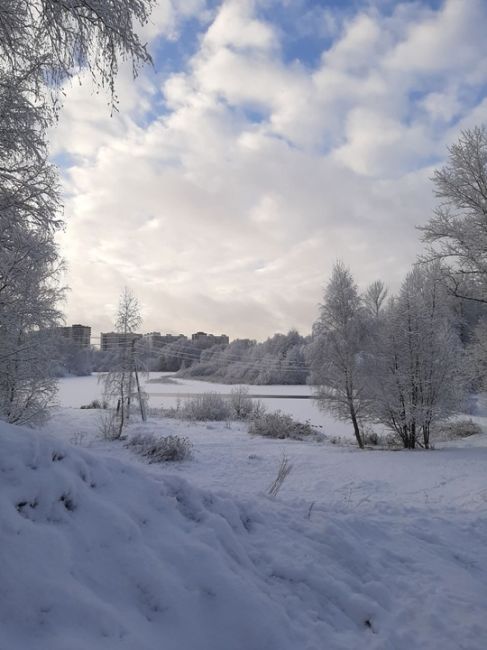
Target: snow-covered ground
x=371, y=550
x=75, y=391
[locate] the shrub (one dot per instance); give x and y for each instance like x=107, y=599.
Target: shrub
x=244, y=407
x=371, y=438
x=208, y=406
x=455, y=429
x=160, y=449
x=95, y=404
x=240, y=402
x=341, y=441
x=107, y=424
x=280, y=425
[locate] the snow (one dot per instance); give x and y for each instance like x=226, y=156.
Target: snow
x=375, y=550
x=76, y=391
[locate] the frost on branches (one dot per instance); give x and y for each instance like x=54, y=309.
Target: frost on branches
x=457, y=233
x=121, y=382
x=339, y=339
x=399, y=364
x=42, y=44
x=415, y=361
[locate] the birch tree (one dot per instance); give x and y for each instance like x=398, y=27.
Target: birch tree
x=123, y=377
x=415, y=370
x=336, y=351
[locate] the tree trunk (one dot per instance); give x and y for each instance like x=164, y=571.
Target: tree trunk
x=139, y=393
x=131, y=369
x=409, y=436
x=356, y=427
x=122, y=411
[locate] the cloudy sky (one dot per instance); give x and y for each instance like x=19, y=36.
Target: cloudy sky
x=271, y=138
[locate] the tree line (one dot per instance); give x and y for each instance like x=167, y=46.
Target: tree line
x=408, y=362
x=278, y=360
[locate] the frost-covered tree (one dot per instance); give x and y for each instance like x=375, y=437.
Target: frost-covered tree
x=122, y=379
x=278, y=360
x=72, y=358
x=337, y=349
x=374, y=298
x=414, y=370
x=457, y=233
x=42, y=44
x=49, y=41
x=476, y=357
x=28, y=313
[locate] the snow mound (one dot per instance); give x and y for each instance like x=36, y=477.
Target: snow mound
x=96, y=553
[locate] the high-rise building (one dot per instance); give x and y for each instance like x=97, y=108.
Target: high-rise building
x=80, y=334
x=158, y=340
x=205, y=340
x=113, y=340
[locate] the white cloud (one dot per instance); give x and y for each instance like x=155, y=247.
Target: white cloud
x=235, y=26
x=167, y=15
x=452, y=39
x=359, y=45
x=380, y=145
x=221, y=222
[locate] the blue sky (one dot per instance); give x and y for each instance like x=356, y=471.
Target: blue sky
x=271, y=137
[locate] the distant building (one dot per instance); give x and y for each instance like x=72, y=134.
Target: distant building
x=113, y=340
x=204, y=340
x=80, y=334
x=158, y=340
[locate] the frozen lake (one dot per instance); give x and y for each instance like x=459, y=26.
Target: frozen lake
x=165, y=391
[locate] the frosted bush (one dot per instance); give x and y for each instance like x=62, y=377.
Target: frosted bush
x=95, y=404
x=160, y=449
x=371, y=438
x=455, y=429
x=107, y=424
x=243, y=406
x=280, y=425
x=208, y=406
x=388, y=440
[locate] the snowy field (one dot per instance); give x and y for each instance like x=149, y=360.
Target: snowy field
x=370, y=550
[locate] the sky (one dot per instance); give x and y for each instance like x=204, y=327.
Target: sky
x=271, y=138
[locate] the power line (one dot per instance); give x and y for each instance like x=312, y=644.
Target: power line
x=220, y=357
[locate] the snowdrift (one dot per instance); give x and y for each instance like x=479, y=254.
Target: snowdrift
x=98, y=554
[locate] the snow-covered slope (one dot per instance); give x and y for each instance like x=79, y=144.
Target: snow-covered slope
x=98, y=553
